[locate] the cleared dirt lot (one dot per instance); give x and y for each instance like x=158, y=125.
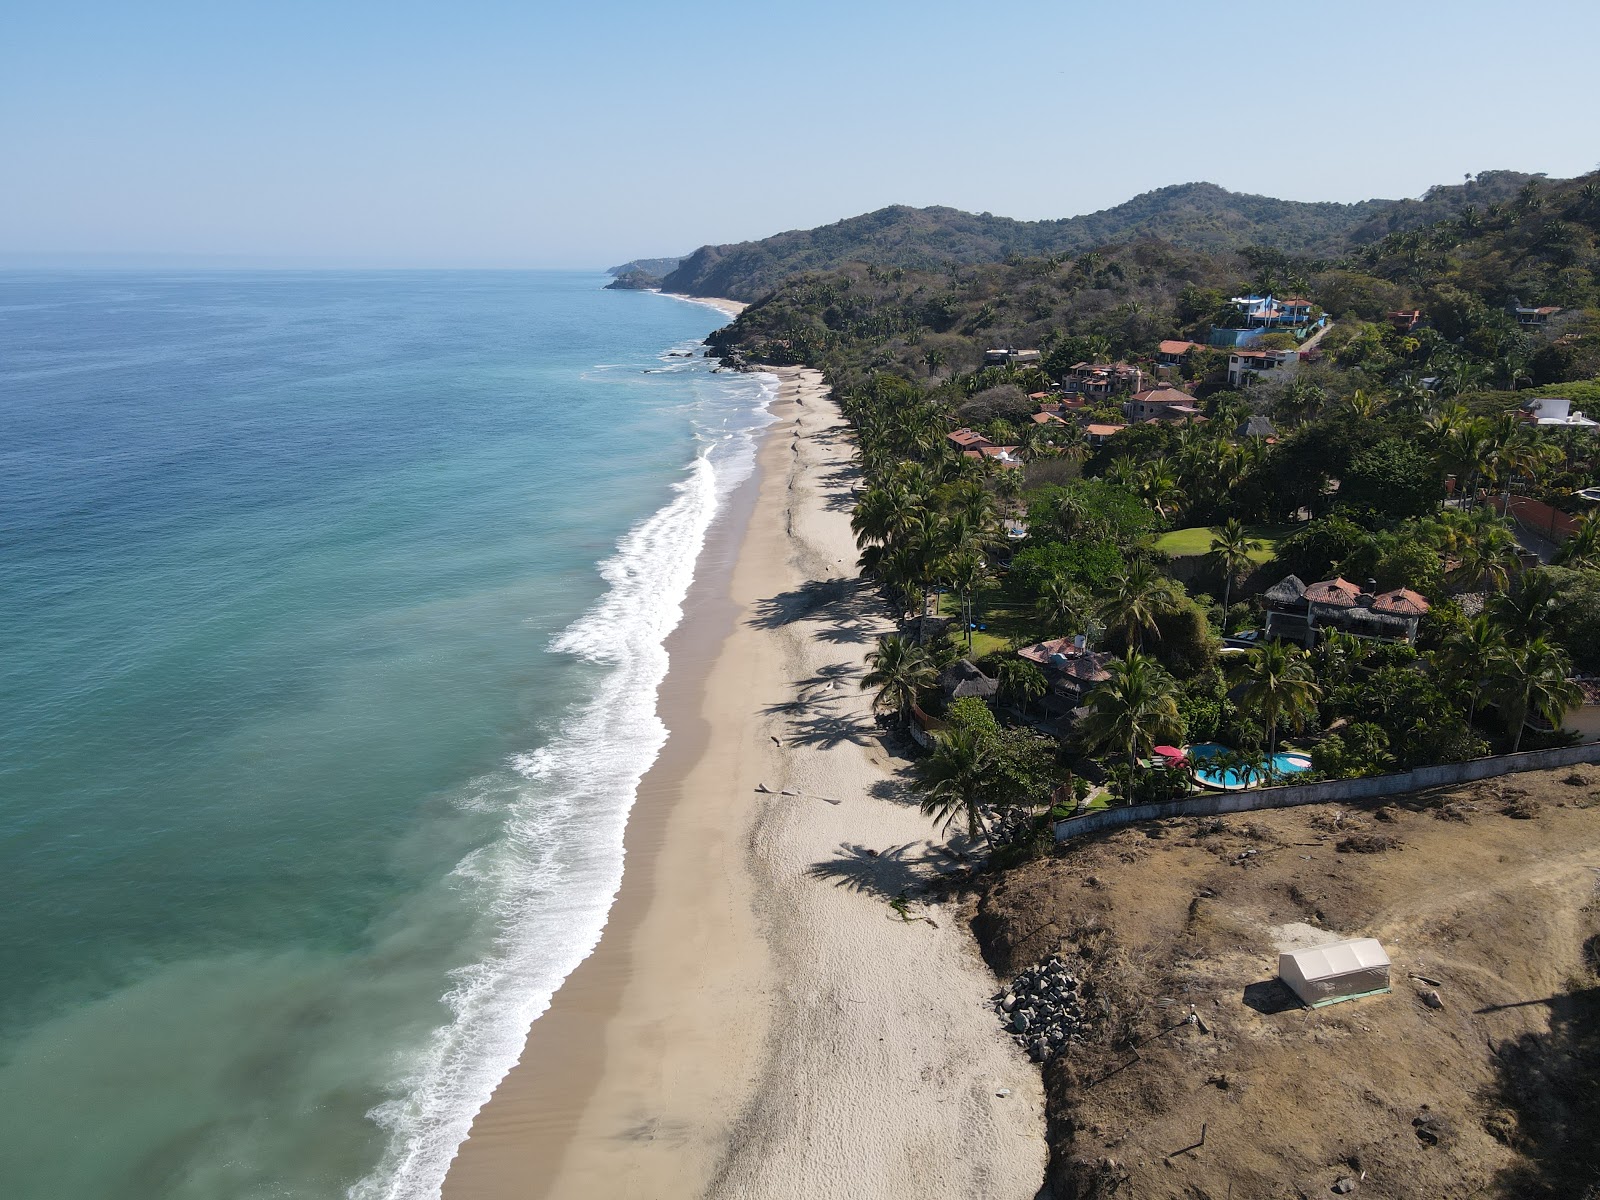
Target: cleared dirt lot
x=1486, y=895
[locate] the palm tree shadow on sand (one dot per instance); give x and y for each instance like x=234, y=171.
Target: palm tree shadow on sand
x=892, y=872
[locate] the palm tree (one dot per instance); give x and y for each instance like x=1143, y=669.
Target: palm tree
x=1231, y=547
x=1581, y=551
x=1132, y=602
x=1157, y=482
x=1021, y=682
x=1060, y=605
x=1124, y=473
x=1033, y=442
x=900, y=671
x=1278, y=687
x=1487, y=559
x=1472, y=653
x=1363, y=404
x=1133, y=711
x=967, y=574
x=1071, y=442
x=1526, y=612
x=956, y=777
x=1533, y=679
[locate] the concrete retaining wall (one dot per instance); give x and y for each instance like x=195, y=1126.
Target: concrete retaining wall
x=1213, y=804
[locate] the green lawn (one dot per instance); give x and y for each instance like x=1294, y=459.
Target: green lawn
x=1196, y=540
x=1007, y=626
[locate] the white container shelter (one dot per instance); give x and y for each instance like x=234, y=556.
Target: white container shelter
x=1322, y=975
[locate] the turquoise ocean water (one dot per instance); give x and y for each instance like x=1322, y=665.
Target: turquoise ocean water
x=331, y=612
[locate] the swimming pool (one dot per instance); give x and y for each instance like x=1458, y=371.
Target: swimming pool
x=1283, y=763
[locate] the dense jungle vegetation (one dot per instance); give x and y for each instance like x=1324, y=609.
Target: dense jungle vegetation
x=1384, y=459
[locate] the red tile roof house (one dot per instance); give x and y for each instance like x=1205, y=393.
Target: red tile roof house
x=1160, y=402
x=1048, y=418
x=969, y=439
x=1098, y=434
x=1296, y=612
x=1172, y=353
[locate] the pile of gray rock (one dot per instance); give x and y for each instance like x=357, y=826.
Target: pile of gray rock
x=1043, y=1009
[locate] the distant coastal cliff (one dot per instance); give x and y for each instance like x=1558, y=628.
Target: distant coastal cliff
x=641, y=274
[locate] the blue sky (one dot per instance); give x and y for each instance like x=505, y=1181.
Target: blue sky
x=480, y=133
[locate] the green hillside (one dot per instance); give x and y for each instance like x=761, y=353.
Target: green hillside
x=1190, y=216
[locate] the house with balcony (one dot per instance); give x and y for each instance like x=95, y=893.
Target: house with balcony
x=1173, y=354
x=1266, y=314
x=1534, y=318
x=1245, y=366
x=1298, y=613
x=1405, y=319
x=1097, y=381
x=1161, y=403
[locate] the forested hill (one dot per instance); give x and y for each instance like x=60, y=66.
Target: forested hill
x=1191, y=216
x=647, y=266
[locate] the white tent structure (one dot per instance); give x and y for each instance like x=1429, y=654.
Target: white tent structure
x=1322, y=975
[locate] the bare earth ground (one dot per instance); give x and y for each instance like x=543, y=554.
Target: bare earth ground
x=1487, y=892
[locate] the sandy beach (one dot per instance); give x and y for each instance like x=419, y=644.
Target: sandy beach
x=757, y=1020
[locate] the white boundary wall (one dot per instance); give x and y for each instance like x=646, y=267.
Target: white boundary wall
x=1328, y=791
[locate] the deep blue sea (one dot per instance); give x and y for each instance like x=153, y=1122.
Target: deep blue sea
x=331, y=621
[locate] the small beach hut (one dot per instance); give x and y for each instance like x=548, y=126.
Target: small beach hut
x=1322, y=975
x=961, y=679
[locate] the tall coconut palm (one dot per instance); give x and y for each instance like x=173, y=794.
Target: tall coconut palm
x=1472, y=653
x=956, y=777
x=1033, y=442
x=1533, y=679
x=1071, y=443
x=1278, y=688
x=1528, y=610
x=1132, y=601
x=1158, y=483
x=1061, y=606
x=1487, y=559
x=900, y=672
x=1133, y=711
x=1231, y=548
x=967, y=573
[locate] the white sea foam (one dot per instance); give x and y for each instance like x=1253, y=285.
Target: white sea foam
x=550, y=880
